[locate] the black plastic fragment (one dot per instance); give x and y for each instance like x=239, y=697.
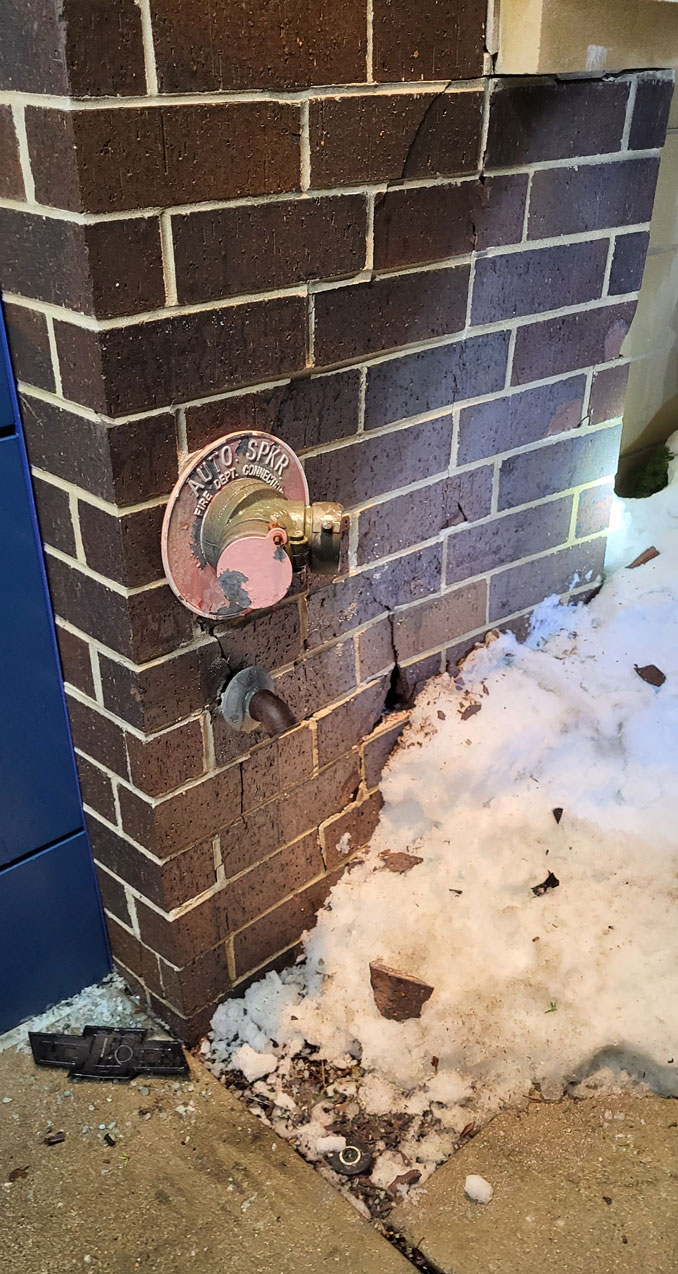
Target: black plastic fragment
x=551, y=882
x=557, y=813
x=55, y=1138
x=108, y=1052
x=355, y=1158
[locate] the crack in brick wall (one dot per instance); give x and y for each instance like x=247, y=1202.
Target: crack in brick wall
x=415, y=273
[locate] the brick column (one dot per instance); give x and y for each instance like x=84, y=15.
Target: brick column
x=417, y=275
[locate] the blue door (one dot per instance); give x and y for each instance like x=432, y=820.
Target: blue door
x=52, y=936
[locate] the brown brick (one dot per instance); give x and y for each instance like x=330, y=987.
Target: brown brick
x=167, y=690
x=291, y=45
x=98, y=736
x=434, y=40
x=184, y=819
x=123, y=463
x=141, y=627
x=76, y=665
x=433, y=622
x=558, y=466
x=429, y=223
x=365, y=318
x=381, y=137
x=125, y=948
x=113, y=896
x=358, y=823
x=29, y=346
x=125, y=548
x=396, y=524
x=264, y=886
x=110, y=268
x=11, y=176
x=54, y=515
x=251, y=838
x=375, y=648
x=280, y=928
x=343, y=727
x=507, y=539
x=166, y=761
x=198, y=983
x=182, y=356
x=168, y=884
x=314, y=800
x=529, y=584
x=518, y=419
x=591, y=197
x=572, y=341
x=271, y=638
x=378, y=749
x=276, y=766
x=253, y=249
x=412, y=677
x=84, y=47
x=96, y=788
x=346, y=604
x=434, y=378
x=516, y=283
x=157, y=156
x=651, y=110
x=304, y=413
x=319, y=679
x=628, y=262
x=191, y=1029
x=373, y=466
x=593, y=509
x=184, y=939
x=608, y=391
x=534, y=120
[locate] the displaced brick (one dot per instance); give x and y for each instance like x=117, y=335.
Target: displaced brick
x=271, y=638
x=434, y=378
x=347, y=604
x=487, y=429
x=373, y=466
x=378, y=748
x=29, y=346
x=591, y=197
x=529, y=282
x=365, y=318
x=398, y=995
x=558, y=466
x=382, y=136
x=184, y=819
x=429, y=223
x=608, y=391
x=11, y=176
x=350, y=830
x=319, y=797
x=398, y=523
x=166, y=761
x=318, y=680
x=506, y=539
x=628, y=262
x=54, y=515
x=533, y=120
x=572, y=341
x=125, y=547
x=343, y=727
x=528, y=584
x=375, y=648
x=651, y=110
x=442, y=618
x=434, y=40
x=277, y=766
x=267, y=884
x=593, y=509
x=76, y=665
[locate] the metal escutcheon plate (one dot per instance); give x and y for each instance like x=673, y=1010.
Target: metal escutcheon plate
x=245, y=454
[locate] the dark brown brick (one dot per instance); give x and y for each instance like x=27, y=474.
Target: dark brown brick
x=184, y=819
x=279, y=929
x=191, y=1029
x=373, y=466
x=434, y=378
x=113, y=896
x=167, y=690
x=575, y=340
x=651, y=110
x=593, y=509
x=271, y=638
x=396, y=524
x=125, y=947
x=125, y=548
x=198, y=983
x=433, y=40
x=123, y=463
x=516, y=283
x=529, y=584
x=429, y=223
x=558, y=466
x=357, y=823
x=365, y=318
x=304, y=413
x=608, y=391
x=251, y=838
x=433, y=622
x=507, y=539
x=347, y=604
x=382, y=137
x=277, y=766
x=413, y=676
x=375, y=648
x=168, y=884
x=182, y=356
x=379, y=747
x=518, y=419
x=141, y=627
x=54, y=516
x=85, y=47
x=343, y=727
x=253, y=249
x=111, y=268
x=266, y=885
x=628, y=262
x=157, y=156
x=318, y=680
x=166, y=761
x=96, y=788
x=76, y=665
x=534, y=120
x=591, y=197
x=184, y=939
x=290, y=45
x=97, y=736
x=32, y=58
x=11, y=176
x=29, y=346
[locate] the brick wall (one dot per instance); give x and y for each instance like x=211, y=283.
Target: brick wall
x=416, y=274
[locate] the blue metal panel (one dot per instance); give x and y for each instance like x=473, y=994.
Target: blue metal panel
x=52, y=938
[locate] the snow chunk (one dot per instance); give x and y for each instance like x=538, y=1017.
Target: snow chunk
x=252, y=1064
x=478, y=1189
x=330, y=1145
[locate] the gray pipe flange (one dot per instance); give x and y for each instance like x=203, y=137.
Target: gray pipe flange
x=238, y=695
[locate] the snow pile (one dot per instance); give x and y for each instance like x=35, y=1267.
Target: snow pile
x=539, y=788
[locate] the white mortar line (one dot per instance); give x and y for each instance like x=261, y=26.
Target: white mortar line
x=19, y=117
x=77, y=532
x=305, y=147
x=369, y=236
x=526, y=218
x=96, y=676
x=168, y=262
x=149, y=50
x=608, y=266
x=369, y=43
x=116, y=657
x=105, y=505
x=54, y=355
x=630, y=106
x=310, y=329
x=113, y=585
